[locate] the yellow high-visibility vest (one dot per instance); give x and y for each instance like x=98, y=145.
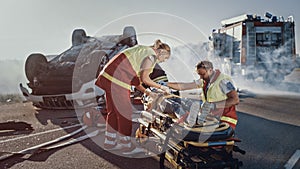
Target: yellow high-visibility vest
x=214, y=93
x=137, y=54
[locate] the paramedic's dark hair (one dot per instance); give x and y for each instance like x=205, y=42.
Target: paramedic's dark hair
x=204, y=64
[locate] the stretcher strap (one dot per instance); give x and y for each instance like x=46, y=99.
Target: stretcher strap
x=209, y=144
x=208, y=128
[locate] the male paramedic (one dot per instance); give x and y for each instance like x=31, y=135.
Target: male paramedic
x=219, y=94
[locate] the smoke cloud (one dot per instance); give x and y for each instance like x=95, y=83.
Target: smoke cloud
x=12, y=73
x=181, y=68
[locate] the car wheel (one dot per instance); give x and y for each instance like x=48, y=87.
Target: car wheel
x=35, y=64
x=97, y=60
x=78, y=37
x=89, y=70
x=103, y=61
x=129, y=36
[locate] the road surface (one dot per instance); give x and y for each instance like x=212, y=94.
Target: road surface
x=269, y=127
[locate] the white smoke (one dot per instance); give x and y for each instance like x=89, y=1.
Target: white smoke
x=181, y=65
x=280, y=56
x=12, y=73
x=181, y=68
x=280, y=68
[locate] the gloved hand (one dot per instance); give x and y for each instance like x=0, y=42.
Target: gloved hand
x=198, y=83
x=207, y=107
x=166, y=89
x=163, y=83
x=153, y=95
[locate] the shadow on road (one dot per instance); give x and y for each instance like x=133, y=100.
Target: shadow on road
x=122, y=162
x=15, y=128
x=65, y=118
x=57, y=117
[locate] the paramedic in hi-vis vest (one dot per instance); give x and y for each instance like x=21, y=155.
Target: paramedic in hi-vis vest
x=129, y=68
x=219, y=95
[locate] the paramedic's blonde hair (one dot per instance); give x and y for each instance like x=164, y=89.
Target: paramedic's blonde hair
x=159, y=45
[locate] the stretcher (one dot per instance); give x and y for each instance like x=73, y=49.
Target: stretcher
x=209, y=144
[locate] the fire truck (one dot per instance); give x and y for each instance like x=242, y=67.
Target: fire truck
x=257, y=47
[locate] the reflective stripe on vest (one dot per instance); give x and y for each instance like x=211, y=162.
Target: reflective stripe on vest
x=136, y=56
x=160, y=78
x=116, y=81
x=229, y=120
x=214, y=93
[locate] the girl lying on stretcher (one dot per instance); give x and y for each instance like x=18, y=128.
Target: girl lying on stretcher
x=184, y=110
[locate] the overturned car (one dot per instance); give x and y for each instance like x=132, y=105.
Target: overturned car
x=66, y=81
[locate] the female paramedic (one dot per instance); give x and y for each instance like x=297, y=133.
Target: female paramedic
x=129, y=68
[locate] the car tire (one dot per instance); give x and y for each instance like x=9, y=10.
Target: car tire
x=98, y=60
x=85, y=72
x=129, y=36
x=78, y=37
x=103, y=61
x=35, y=64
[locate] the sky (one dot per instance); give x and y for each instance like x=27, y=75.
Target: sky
x=45, y=26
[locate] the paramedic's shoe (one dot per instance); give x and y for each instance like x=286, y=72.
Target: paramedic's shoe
x=134, y=151
x=117, y=147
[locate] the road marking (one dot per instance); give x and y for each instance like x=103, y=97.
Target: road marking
x=293, y=160
x=48, y=131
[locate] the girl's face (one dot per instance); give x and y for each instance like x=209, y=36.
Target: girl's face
x=163, y=55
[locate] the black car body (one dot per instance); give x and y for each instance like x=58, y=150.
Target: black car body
x=66, y=81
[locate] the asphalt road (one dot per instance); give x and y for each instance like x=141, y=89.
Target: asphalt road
x=269, y=127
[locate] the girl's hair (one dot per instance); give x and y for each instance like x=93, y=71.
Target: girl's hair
x=159, y=45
